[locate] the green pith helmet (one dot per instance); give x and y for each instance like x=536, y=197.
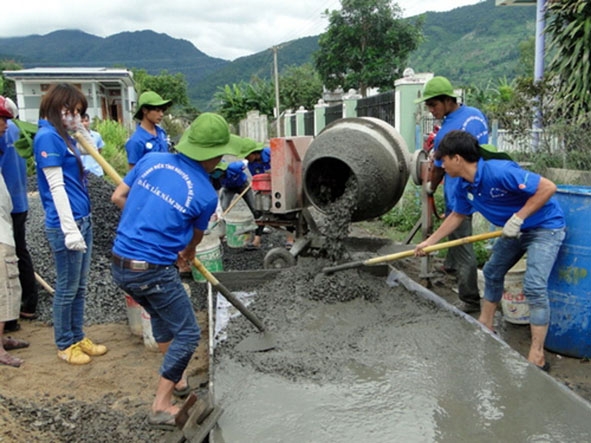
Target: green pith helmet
x=222, y=166
x=209, y=137
x=435, y=87
x=249, y=146
x=489, y=152
x=149, y=98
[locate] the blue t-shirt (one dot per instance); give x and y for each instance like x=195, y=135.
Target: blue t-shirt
x=262, y=166
x=467, y=119
x=500, y=189
x=235, y=177
x=142, y=143
x=50, y=150
x=170, y=196
x=14, y=169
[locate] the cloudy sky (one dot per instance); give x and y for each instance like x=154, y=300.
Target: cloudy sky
x=225, y=29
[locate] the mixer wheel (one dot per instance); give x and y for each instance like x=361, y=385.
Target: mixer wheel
x=279, y=258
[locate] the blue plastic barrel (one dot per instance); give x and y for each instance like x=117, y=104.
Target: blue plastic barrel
x=569, y=286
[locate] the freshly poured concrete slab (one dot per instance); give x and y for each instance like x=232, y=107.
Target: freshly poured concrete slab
x=389, y=363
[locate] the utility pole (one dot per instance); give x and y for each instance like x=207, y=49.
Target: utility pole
x=276, y=91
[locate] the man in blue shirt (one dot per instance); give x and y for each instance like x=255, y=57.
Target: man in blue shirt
x=167, y=201
x=148, y=136
x=441, y=100
x=533, y=223
x=15, y=175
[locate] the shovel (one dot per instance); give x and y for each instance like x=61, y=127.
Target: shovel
x=391, y=257
x=263, y=342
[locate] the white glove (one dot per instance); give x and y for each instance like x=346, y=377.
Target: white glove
x=75, y=241
x=245, y=163
x=512, y=228
x=429, y=188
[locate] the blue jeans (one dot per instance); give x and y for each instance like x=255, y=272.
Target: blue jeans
x=70, y=287
x=542, y=247
x=161, y=293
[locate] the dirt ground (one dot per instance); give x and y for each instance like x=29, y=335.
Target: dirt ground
x=47, y=400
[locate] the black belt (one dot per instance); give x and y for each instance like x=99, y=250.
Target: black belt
x=134, y=265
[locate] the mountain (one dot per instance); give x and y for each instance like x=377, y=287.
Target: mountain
x=471, y=45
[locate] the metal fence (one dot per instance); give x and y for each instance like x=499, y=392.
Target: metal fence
x=293, y=125
x=379, y=106
x=309, y=123
x=332, y=113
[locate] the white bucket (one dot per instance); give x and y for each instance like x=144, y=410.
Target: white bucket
x=237, y=228
x=134, y=315
x=514, y=305
x=209, y=252
x=149, y=341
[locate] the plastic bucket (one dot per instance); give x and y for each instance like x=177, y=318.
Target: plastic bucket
x=209, y=252
x=149, y=341
x=237, y=228
x=514, y=305
x=134, y=315
x=569, y=286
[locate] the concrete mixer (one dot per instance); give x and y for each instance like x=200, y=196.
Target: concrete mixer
x=309, y=172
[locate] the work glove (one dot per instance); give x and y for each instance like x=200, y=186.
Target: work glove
x=74, y=241
x=512, y=228
x=429, y=188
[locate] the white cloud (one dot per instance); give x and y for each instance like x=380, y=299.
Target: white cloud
x=225, y=29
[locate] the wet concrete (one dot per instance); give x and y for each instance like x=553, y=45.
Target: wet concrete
x=375, y=362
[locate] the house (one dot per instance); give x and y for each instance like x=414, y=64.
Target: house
x=110, y=92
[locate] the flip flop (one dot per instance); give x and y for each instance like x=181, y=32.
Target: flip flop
x=181, y=393
x=28, y=316
x=162, y=420
x=545, y=367
x=10, y=360
x=14, y=343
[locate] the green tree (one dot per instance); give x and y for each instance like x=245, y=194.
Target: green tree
x=7, y=87
x=367, y=44
x=299, y=86
x=569, y=32
x=169, y=86
x=233, y=102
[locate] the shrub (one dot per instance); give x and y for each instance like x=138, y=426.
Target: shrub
x=114, y=135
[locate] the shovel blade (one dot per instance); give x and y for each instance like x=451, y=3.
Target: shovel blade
x=257, y=343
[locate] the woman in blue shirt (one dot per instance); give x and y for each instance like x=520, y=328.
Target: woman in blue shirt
x=64, y=194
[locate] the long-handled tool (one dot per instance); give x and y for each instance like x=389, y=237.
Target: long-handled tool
x=229, y=208
x=90, y=149
x=263, y=342
x=44, y=284
x=410, y=253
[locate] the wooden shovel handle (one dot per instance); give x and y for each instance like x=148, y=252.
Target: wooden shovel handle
x=411, y=252
x=90, y=149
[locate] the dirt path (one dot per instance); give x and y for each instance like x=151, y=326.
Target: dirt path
x=47, y=400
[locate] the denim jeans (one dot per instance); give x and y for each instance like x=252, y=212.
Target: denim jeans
x=161, y=293
x=70, y=288
x=541, y=246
